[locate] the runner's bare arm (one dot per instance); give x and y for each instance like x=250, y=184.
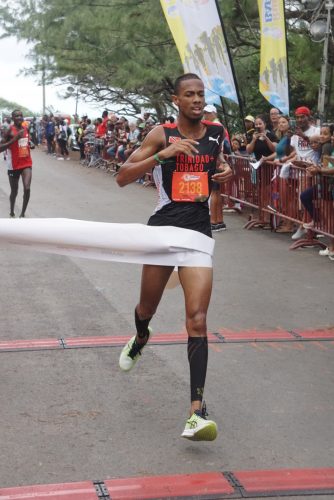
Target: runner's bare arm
x=142, y=160
x=9, y=139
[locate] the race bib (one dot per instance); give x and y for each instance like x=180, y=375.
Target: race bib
x=23, y=147
x=190, y=186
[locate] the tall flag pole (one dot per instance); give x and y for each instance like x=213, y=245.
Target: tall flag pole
x=232, y=66
x=274, y=78
x=198, y=33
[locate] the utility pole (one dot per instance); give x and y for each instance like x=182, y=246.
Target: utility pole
x=323, y=77
x=43, y=87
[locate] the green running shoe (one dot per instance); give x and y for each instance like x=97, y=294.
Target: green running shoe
x=131, y=353
x=199, y=429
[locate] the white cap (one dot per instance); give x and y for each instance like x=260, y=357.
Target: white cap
x=210, y=108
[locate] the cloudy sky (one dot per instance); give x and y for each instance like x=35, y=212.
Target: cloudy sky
x=25, y=90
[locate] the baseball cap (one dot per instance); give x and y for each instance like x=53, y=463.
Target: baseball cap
x=250, y=118
x=210, y=108
x=303, y=110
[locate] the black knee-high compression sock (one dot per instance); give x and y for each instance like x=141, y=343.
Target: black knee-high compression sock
x=142, y=326
x=198, y=361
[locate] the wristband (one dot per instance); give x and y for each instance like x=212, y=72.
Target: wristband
x=156, y=157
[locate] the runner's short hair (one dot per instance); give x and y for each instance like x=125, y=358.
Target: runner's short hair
x=182, y=78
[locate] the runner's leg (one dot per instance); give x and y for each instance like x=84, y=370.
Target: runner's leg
x=197, y=287
x=26, y=179
x=154, y=280
x=153, y=283
x=14, y=187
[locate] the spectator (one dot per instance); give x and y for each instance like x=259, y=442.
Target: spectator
x=263, y=141
x=322, y=167
x=249, y=126
x=210, y=113
x=50, y=135
x=283, y=149
x=304, y=130
x=216, y=201
x=133, y=138
x=326, y=133
x=236, y=146
x=301, y=142
x=274, y=115
x=33, y=131
x=79, y=133
x=62, y=140
x=6, y=124
x=310, y=194
x=89, y=133
x=284, y=152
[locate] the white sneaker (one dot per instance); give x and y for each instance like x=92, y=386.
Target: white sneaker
x=299, y=233
x=199, y=429
x=325, y=252
x=131, y=353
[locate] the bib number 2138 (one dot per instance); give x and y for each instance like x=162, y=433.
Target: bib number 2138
x=190, y=186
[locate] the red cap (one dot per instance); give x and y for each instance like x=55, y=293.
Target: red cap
x=303, y=110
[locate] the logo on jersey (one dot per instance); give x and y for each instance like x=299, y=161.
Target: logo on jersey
x=190, y=177
x=172, y=139
x=214, y=139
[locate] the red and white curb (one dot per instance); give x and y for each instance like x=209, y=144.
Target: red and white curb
x=208, y=485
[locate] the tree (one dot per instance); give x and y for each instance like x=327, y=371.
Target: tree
x=6, y=108
x=121, y=52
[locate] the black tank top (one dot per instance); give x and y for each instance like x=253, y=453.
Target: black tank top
x=209, y=148
x=189, y=215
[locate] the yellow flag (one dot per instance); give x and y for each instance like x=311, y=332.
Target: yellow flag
x=274, y=82
x=199, y=38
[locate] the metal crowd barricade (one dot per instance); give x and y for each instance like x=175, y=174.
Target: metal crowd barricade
x=243, y=186
x=275, y=193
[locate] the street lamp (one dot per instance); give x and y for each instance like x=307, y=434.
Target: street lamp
x=311, y=4
x=321, y=30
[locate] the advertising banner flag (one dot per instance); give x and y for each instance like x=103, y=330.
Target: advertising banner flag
x=274, y=80
x=199, y=38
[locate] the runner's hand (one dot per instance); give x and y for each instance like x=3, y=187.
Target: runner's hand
x=224, y=174
x=185, y=146
x=19, y=135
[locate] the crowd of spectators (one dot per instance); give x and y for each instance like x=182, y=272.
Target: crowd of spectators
x=295, y=141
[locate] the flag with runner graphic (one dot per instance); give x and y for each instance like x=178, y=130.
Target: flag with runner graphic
x=199, y=38
x=274, y=78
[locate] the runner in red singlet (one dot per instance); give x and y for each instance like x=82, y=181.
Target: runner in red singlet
x=185, y=157
x=19, y=161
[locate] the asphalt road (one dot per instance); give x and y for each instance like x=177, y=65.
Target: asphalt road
x=70, y=415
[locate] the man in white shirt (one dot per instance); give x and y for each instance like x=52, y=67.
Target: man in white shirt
x=300, y=141
x=304, y=130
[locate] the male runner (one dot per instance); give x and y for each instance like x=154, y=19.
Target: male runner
x=189, y=146
x=19, y=162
